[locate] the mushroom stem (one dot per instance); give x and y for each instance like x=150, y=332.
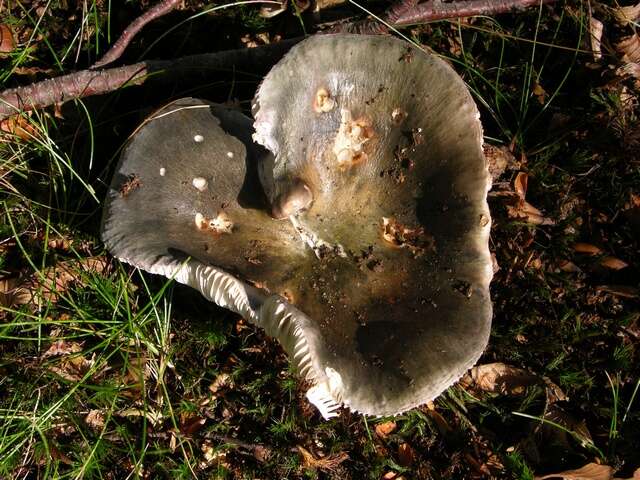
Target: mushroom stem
x=296, y=198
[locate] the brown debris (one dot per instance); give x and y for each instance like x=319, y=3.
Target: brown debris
x=322, y=101
x=591, y=471
x=48, y=286
x=351, y=139
x=7, y=42
x=406, y=455
x=218, y=225
x=18, y=126
x=384, y=429
x=624, y=291
x=398, y=235
x=132, y=183
x=626, y=15
x=499, y=378
x=62, y=347
x=587, y=248
x=523, y=210
x=613, y=263
x=499, y=159
x=326, y=463
x=596, y=28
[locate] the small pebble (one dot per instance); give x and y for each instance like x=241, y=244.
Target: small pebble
x=198, y=138
x=163, y=171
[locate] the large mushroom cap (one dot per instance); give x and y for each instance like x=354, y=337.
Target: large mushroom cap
x=386, y=142
x=377, y=285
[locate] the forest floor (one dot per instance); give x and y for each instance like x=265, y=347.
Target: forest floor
x=108, y=372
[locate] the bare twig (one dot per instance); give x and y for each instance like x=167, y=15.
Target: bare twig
x=435, y=10
x=92, y=82
x=409, y=12
x=89, y=82
x=162, y=8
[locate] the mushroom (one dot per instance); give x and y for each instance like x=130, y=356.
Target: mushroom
x=398, y=216
x=361, y=243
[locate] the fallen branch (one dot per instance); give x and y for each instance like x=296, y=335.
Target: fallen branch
x=435, y=10
x=118, y=48
x=96, y=82
x=409, y=12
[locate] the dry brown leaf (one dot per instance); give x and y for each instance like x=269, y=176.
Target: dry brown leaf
x=559, y=416
x=629, y=47
x=498, y=160
x=190, y=424
x=222, y=381
x=586, y=248
x=624, y=291
x=499, y=378
x=328, y=463
x=523, y=210
x=406, y=455
x=7, y=42
x=50, y=284
x=384, y=429
x=595, y=29
x=62, y=347
x=72, y=368
x=591, y=471
x=325, y=4
x=95, y=419
x=625, y=15
x=568, y=266
x=18, y=125
x=520, y=185
x=613, y=263
x=540, y=93
x=271, y=10
x=441, y=423
x=392, y=476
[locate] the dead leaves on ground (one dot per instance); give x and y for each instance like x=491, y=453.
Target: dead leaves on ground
x=607, y=261
x=499, y=378
x=7, y=41
x=49, y=285
x=522, y=210
x=591, y=471
x=384, y=429
x=326, y=463
x=68, y=362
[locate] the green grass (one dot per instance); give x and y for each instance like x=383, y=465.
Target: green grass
x=149, y=351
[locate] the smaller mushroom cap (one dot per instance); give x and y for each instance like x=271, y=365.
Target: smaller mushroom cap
x=186, y=202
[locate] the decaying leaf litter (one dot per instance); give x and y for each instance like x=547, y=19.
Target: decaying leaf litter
x=211, y=397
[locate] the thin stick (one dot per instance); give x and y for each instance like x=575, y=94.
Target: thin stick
x=435, y=10
x=409, y=12
x=118, y=48
x=89, y=82
x=86, y=83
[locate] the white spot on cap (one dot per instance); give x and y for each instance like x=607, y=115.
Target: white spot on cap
x=200, y=183
x=163, y=171
x=198, y=138
x=201, y=222
x=230, y=154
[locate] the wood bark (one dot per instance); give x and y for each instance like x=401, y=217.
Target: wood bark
x=132, y=30
x=96, y=82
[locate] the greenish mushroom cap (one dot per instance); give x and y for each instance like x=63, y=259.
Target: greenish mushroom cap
x=361, y=243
